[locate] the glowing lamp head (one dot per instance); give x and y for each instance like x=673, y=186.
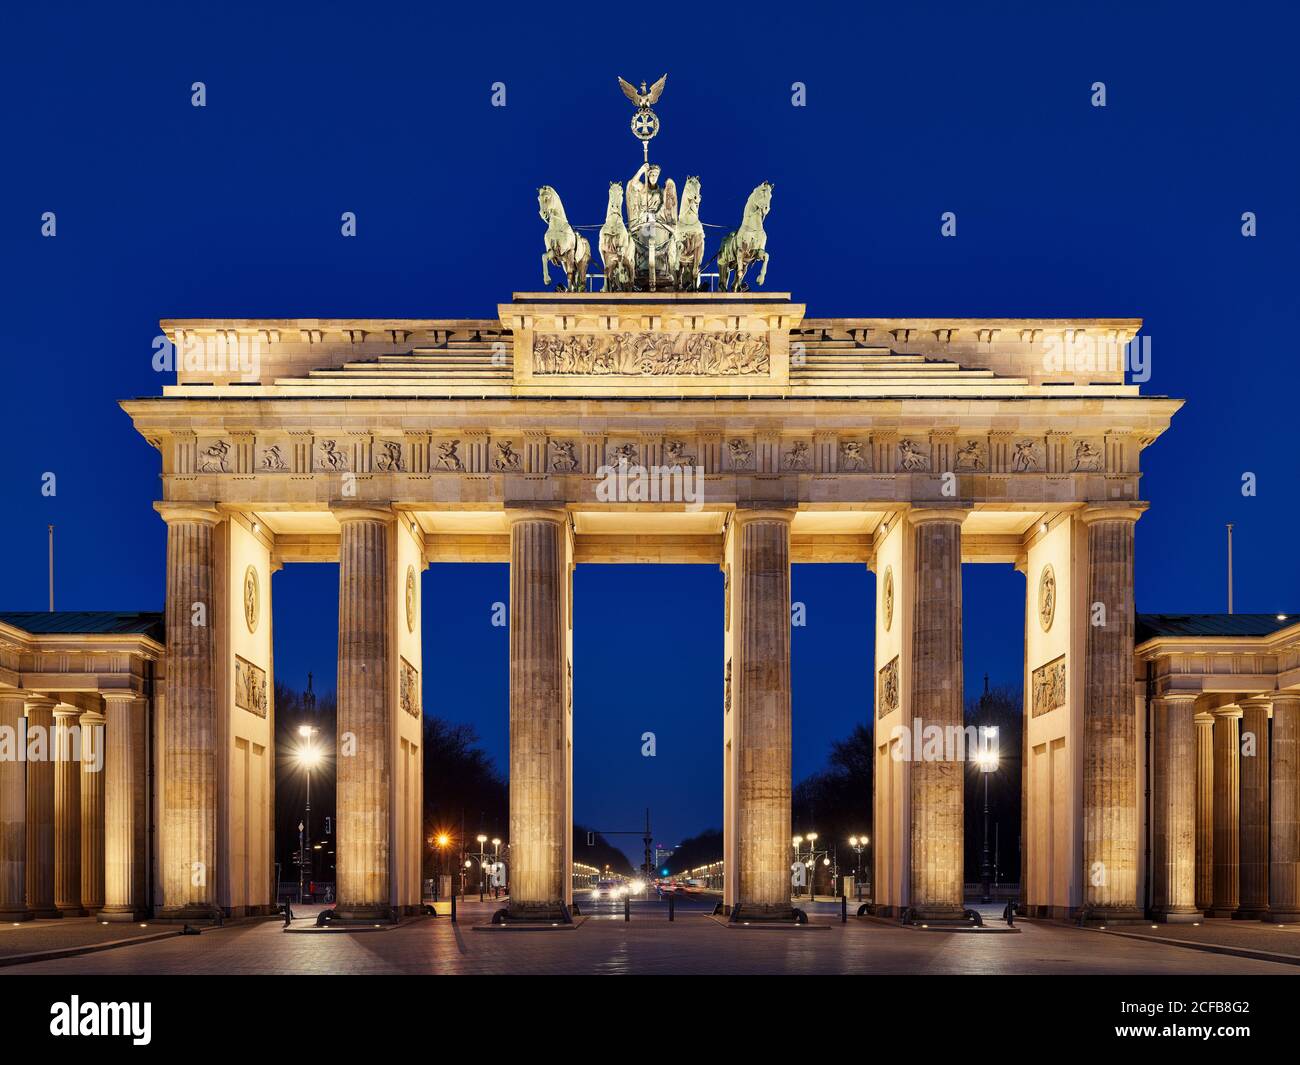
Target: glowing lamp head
x=308, y=757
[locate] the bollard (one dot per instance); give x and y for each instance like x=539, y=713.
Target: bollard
x=453, y=907
x=627, y=908
x=671, y=902
x=844, y=909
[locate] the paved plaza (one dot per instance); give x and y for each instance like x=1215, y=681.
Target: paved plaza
x=692, y=944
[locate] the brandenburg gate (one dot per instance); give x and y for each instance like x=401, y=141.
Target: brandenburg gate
x=655, y=427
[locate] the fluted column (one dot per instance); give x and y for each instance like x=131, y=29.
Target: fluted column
x=40, y=807
x=761, y=685
x=538, y=759
x=1174, y=807
x=67, y=811
x=92, y=811
x=1284, y=821
x=937, y=872
x=124, y=806
x=189, y=770
x=1227, y=811
x=1253, y=903
x=364, y=713
x=1110, y=800
x=1204, y=724
x=13, y=811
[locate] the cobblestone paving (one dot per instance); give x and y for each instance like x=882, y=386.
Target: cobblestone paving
x=648, y=944
x=31, y=936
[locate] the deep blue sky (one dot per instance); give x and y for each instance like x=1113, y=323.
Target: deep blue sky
x=1063, y=209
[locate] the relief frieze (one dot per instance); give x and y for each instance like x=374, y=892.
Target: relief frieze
x=651, y=354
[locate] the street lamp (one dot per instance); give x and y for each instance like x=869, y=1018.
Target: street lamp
x=858, y=843
x=987, y=760
x=482, y=887
x=307, y=757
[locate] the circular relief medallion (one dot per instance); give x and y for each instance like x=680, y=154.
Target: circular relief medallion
x=252, y=598
x=1047, y=597
x=888, y=597
x=410, y=598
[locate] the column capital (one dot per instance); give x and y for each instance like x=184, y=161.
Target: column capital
x=532, y=512
x=1229, y=711
x=1289, y=696
x=125, y=695
x=766, y=512
x=921, y=515
x=1112, y=512
x=39, y=701
x=1178, y=697
x=348, y=511
x=203, y=513
x=92, y=717
x=67, y=710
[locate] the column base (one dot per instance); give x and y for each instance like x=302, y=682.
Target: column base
x=121, y=913
x=366, y=913
x=194, y=912
x=73, y=911
x=1108, y=915
x=755, y=913
x=46, y=913
x=1282, y=916
x=1178, y=915
x=15, y=915
x=937, y=913
x=533, y=912
x=1221, y=911
x=1250, y=913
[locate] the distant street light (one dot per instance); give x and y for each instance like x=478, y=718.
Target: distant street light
x=987, y=760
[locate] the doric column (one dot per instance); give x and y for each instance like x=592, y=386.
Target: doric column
x=1227, y=811
x=92, y=811
x=1174, y=808
x=364, y=714
x=1284, y=827
x=67, y=811
x=1253, y=903
x=189, y=770
x=1204, y=724
x=1110, y=799
x=937, y=868
x=538, y=755
x=13, y=812
x=40, y=806
x=761, y=698
x=124, y=807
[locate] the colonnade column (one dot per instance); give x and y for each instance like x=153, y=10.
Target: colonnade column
x=67, y=812
x=1204, y=724
x=1227, y=811
x=1174, y=808
x=124, y=807
x=937, y=785
x=92, y=811
x=1253, y=902
x=189, y=770
x=364, y=715
x=539, y=725
x=1110, y=799
x=760, y=679
x=13, y=814
x=1284, y=835
x=40, y=807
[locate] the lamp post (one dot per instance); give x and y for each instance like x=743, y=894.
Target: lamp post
x=496, y=860
x=482, y=886
x=858, y=843
x=812, y=866
x=988, y=763
x=307, y=757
